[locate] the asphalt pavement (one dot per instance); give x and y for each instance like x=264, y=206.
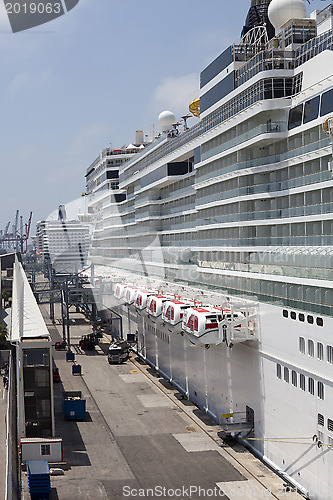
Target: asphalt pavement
x=142, y=439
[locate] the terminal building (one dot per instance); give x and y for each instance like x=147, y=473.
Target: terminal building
x=33, y=361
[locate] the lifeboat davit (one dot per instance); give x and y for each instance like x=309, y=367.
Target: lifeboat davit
x=201, y=324
x=130, y=294
x=120, y=290
x=155, y=304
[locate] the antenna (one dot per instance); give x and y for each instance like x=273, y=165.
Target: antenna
x=185, y=118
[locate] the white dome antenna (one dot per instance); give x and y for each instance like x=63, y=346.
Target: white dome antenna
x=166, y=119
x=281, y=11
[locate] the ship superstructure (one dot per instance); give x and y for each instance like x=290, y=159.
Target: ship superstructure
x=237, y=213
x=63, y=244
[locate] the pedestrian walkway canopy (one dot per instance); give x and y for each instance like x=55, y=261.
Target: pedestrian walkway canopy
x=27, y=320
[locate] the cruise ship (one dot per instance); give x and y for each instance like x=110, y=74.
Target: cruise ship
x=217, y=242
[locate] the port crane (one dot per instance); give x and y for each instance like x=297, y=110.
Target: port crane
x=17, y=238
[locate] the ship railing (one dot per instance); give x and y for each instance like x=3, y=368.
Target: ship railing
x=267, y=128
x=264, y=61
x=265, y=160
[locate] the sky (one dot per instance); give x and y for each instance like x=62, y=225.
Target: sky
x=89, y=79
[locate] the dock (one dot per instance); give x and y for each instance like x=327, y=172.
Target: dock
x=142, y=438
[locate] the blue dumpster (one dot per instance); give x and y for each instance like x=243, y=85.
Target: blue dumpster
x=39, y=479
x=73, y=406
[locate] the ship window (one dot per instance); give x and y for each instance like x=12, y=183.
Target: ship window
x=302, y=345
x=320, y=321
x=311, y=386
x=301, y=317
x=330, y=354
x=294, y=378
x=286, y=375
x=278, y=371
x=285, y=313
x=310, y=319
x=311, y=348
x=293, y=315
x=321, y=419
x=302, y=382
x=326, y=103
x=311, y=110
x=320, y=351
x=295, y=117
x=320, y=389
x=330, y=424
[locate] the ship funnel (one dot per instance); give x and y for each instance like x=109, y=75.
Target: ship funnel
x=62, y=212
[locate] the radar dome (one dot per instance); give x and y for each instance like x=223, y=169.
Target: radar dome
x=281, y=11
x=166, y=119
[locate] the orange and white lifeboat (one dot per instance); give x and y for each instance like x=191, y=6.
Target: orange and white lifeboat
x=155, y=304
x=130, y=294
x=173, y=311
x=142, y=298
x=119, y=290
x=201, y=324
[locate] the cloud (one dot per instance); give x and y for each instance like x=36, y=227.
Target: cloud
x=4, y=21
x=82, y=149
x=87, y=137
x=20, y=82
x=175, y=94
x=25, y=80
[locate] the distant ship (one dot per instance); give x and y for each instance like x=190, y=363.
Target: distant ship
x=219, y=242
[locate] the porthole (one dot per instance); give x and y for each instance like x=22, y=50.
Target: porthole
x=301, y=317
x=310, y=319
x=293, y=315
x=285, y=313
x=320, y=321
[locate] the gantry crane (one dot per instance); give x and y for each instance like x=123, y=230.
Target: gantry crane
x=18, y=237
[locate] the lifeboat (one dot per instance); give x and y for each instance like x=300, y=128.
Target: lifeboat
x=173, y=311
x=120, y=290
x=130, y=294
x=142, y=298
x=201, y=324
x=155, y=304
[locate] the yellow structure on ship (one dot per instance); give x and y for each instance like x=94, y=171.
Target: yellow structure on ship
x=194, y=107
